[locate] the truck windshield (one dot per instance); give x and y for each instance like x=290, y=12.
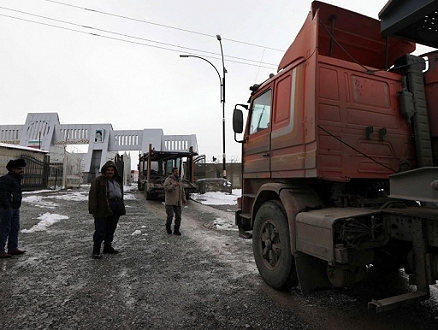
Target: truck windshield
x=260, y=113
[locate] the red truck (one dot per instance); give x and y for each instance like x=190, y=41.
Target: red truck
x=339, y=156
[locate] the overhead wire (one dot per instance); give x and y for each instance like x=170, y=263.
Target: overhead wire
x=162, y=25
x=184, y=50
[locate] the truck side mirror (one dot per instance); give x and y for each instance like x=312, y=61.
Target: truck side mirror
x=238, y=121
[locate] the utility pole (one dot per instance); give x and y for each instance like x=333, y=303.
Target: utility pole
x=222, y=85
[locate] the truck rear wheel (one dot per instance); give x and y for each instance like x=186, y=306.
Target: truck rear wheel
x=271, y=247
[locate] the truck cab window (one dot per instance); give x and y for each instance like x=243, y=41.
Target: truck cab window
x=260, y=113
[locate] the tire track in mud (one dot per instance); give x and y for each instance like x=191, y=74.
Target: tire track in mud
x=225, y=245
x=326, y=309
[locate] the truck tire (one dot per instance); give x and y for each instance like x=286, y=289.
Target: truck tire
x=150, y=196
x=271, y=247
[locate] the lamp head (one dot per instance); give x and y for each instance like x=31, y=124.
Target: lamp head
x=218, y=37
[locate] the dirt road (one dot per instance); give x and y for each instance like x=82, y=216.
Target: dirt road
x=204, y=279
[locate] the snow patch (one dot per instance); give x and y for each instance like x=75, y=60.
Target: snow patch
x=217, y=197
x=47, y=219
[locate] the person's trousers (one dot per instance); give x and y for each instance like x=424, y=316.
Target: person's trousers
x=9, y=228
x=172, y=210
x=105, y=227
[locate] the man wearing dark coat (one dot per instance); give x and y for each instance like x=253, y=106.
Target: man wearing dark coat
x=10, y=202
x=105, y=203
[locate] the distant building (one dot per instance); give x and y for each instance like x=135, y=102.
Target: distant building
x=43, y=131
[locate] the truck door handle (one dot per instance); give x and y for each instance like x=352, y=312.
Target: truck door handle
x=266, y=154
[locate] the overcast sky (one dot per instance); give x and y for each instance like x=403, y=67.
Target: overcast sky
x=108, y=61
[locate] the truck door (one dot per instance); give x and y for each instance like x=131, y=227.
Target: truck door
x=256, y=150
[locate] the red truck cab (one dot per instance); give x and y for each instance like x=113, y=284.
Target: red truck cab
x=346, y=112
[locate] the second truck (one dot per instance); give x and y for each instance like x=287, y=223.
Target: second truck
x=155, y=166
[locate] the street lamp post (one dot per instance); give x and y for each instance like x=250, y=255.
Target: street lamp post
x=222, y=84
x=224, y=170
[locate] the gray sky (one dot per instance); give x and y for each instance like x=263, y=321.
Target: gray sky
x=142, y=82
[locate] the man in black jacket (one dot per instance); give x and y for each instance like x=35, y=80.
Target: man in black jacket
x=10, y=202
x=105, y=203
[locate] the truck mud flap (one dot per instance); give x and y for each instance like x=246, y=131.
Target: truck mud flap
x=312, y=273
x=243, y=227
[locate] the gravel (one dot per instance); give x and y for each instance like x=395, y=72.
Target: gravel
x=204, y=279
x=157, y=281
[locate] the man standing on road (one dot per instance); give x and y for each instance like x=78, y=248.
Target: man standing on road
x=105, y=203
x=10, y=202
x=174, y=198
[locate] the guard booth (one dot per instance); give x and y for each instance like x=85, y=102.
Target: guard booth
x=37, y=165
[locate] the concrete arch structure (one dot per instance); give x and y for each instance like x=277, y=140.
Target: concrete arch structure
x=44, y=131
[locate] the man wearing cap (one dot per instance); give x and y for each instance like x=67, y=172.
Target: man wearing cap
x=105, y=203
x=10, y=202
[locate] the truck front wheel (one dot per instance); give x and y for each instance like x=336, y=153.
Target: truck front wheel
x=271, y=247
x=140, y=185
x=150, y=196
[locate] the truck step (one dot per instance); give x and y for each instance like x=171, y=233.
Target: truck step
x=252, y=196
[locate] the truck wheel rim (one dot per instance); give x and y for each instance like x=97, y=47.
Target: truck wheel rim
x=271, y=244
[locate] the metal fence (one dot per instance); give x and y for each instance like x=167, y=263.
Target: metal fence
x=36, y=173
x=55, y=180
x=200, y=169
x=45, y=175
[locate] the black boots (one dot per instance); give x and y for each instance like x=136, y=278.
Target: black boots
x=176, y=231
x=169, y=231
x=107, y=249
x=96, y=251
x=110, y=250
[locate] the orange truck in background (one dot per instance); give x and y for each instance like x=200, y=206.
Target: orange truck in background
x=339, y=159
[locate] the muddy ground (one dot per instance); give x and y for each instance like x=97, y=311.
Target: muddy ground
x=204, y=279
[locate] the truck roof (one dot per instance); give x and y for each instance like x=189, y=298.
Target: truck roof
x=346, y=35
x=166, y=155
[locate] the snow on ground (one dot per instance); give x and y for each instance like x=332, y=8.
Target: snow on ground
x=217, y=197
x=47, y=219
x=70, y=195
x=224, y=224
x=128, y=197
x=39, y=202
